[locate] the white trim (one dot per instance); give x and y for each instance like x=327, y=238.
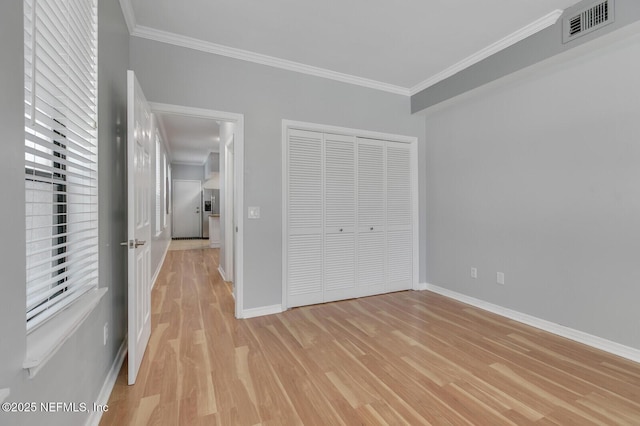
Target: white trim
x=129, y=15
x=44, y=342
x=618, y=349
x=164, y=255
x=238, y=167
x=415, y=219
x=4, y=394
x=258, y=58
x=358, y=133
x=262, y=311
x=245, y=55
x=346, y=131
x=109, y=382
x=285, y=218
x=222, y=274
x=511, y=39
x=422, y=287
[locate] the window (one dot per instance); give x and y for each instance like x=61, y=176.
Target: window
x=158, y=185
x=61, y=154
x=164, y=193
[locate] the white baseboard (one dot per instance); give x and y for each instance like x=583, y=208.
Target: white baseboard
x=107, y=387
x=614, y=348
x=155, y=275
x=261, y=311
x=422, y=286
x=222, y=274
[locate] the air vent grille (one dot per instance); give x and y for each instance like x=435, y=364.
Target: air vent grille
x=588, y=20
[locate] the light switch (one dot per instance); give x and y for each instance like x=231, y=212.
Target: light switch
x=254, y=212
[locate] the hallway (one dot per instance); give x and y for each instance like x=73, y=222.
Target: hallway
x=401, y=358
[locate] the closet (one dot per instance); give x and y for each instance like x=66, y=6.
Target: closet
x=348, y=220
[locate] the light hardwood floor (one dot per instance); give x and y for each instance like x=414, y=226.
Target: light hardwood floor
x=402, y=358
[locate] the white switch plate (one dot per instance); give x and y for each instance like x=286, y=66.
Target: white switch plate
x=500, y=278
x=254, y=212
x=474, y=272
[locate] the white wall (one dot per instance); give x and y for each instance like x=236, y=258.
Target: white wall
x=537, y=176
x=266, y=96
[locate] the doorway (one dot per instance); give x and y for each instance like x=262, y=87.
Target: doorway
x=186, y=208
x=231, y=217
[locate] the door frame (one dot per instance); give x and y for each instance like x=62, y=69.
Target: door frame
x=324, y=128
x=238, y=171
x=173, y=198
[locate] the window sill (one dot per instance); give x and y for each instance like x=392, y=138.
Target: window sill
x=44, y=342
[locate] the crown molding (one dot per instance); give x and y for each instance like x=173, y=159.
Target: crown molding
x=204, y=46
x=511, y=39
x=129, y=15
x=245, y=55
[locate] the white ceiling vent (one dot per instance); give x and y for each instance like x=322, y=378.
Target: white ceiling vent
x=587, y=20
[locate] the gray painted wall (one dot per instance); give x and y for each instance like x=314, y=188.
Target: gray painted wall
x=12, y=249
x=185, y=171
x=536, y=175
x=78, y=370
x=543, y=45
x=265, y=95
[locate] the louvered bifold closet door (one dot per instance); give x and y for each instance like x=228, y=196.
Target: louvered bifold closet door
x=304, y=271
x=340, y=213
x=399, y=217
x=371, y=217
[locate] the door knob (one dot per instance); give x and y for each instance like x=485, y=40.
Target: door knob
x=133, y=243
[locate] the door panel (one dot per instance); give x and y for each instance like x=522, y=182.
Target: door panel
x=371, y=217
x=187, y=197
x=139, y=132
x=304, y=219
x=399, y=213
x=340, y=220
x=340, y=271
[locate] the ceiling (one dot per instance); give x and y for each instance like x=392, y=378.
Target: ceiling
x=401, y=46
x=400, y=43
x=189, y=139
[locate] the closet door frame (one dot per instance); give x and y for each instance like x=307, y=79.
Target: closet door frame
x=358, y=133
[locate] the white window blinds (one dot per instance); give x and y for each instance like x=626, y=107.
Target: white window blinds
x=158, y=185
x=164, y=192
x=61, y=153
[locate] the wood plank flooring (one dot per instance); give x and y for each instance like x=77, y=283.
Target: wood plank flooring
x=402, y=358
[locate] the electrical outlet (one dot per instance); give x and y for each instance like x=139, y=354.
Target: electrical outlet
x=474, y=272
x=500, y=278
x=106, y=333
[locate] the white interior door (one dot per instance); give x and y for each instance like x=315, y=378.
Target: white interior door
x=339, y=218
x=304, y=194
x=139, y=133
x=371, y=214
x=187, y=219
x=399, y=217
